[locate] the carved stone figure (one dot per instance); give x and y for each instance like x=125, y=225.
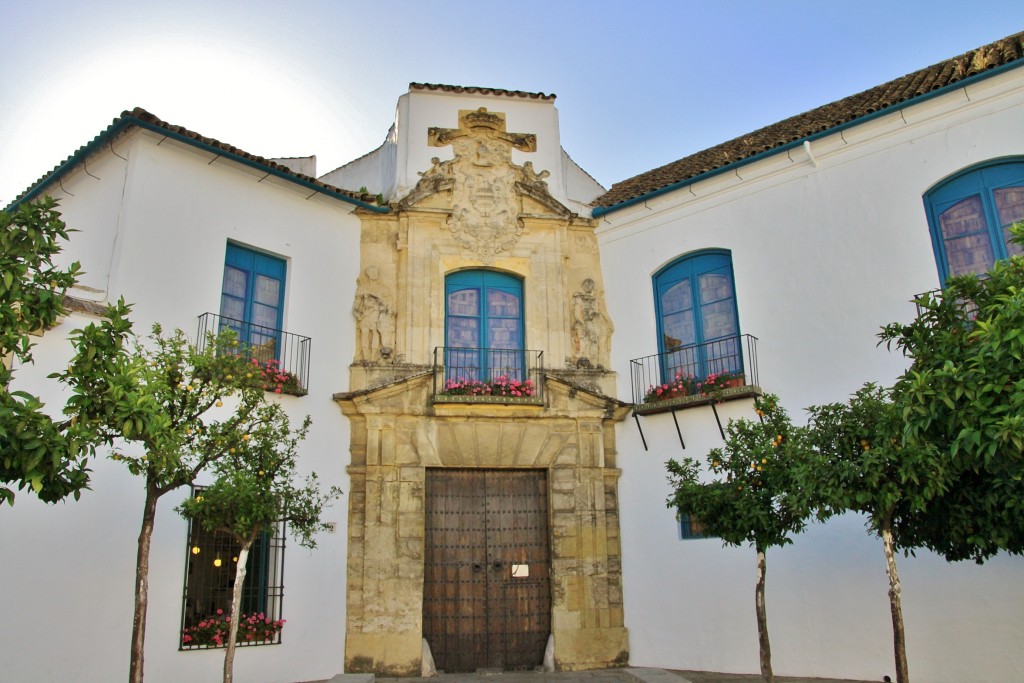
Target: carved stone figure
x=436, y=170
x=591, y=328
x=375, y=321
x=531, y=177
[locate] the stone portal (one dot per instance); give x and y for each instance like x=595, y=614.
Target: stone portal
x=479, y=210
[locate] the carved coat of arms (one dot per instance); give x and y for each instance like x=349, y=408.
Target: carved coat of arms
x=485, y=206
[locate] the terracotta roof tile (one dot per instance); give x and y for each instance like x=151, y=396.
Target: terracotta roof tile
x=844, y=111
x=473, y=90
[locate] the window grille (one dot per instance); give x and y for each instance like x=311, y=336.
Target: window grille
x=211, y=560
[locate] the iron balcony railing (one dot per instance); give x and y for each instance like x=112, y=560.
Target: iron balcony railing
x=968, y=307
x=476, y=375
x=695, y=375
x=282, y=355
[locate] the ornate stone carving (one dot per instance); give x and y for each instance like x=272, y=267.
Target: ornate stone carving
x=483, y=180
x=474, y=122
x=375, y=320
x=591, y=328
x=534, y=179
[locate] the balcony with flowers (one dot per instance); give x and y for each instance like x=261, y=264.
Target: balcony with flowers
x=276, y=360
x=697, y=375
x=478, y=375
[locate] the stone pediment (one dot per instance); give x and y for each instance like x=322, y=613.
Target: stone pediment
x=565, y=396
x=538, y=192
x=400, y=395
x=411, y=395
x=485, y=194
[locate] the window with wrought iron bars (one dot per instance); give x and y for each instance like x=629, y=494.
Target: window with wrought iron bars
x=210, y=565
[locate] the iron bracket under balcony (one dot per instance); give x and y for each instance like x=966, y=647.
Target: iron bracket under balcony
x=697, y=375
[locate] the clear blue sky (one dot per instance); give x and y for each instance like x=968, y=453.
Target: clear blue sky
x=639, y=84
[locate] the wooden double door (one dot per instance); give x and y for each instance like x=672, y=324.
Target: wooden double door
x=487, y=586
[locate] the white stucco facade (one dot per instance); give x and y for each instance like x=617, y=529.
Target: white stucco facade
x=153, y=227
x=824, y=253
x=828, y=242
x=394, y=168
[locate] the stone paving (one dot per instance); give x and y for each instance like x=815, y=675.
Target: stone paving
x=627, y=675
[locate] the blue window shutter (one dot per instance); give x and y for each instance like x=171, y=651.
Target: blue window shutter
x=698, y=328
x=969, y=215
x=484, y=316
x=252, y=295
x=689, y=528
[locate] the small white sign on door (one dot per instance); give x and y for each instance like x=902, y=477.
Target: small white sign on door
x=520, y=571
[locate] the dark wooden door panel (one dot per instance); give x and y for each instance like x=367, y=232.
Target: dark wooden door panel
x=454, y=588
x=517, y=539
x=487, y=599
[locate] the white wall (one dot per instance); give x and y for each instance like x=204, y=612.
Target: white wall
x=419, y=110
x=823, y=257
x=165, y=231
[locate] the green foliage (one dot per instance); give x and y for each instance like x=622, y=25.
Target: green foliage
x=939, y=456
x=963, y=401
x=256, y=489
x=156, y=403
x=31, y=286
x=750, y=496
x=161, y=407
x=45, y=456
x=856, y=460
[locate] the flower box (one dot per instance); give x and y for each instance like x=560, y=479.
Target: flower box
x=683, y=386
x=253, y=629
x=458, y=389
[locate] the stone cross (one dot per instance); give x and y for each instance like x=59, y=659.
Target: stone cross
x=481, y=121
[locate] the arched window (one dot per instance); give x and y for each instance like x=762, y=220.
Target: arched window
x=698, y=331
x=483, y=325
x=970, y=213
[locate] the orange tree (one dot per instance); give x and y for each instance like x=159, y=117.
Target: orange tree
x=854, y=462
x=962, y=401
x=160, y=406
x=746, y=497
x=45, y=456
x=935, y=461
x=255, y=491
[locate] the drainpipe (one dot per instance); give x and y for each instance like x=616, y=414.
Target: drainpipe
x=807, y=148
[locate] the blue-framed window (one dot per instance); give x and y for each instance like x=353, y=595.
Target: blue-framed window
x=252, y=299
x=483, y=325
x=690, y=528
x=698, y=328
x=969, y=215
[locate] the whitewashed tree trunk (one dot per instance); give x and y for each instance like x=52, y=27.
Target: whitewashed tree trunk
x=236, y=611
x=895, y=604
x=136, y=660
x=762, y=621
